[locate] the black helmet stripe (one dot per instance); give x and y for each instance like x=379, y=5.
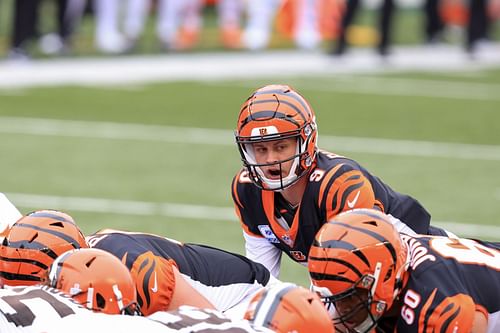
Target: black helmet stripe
x=375, y=235
x=329, y=277
x=288, y=93
x=339, y=244
x=19, y=277
x=40, y=247
x=347, y=264
x=293, y=106
x=25, y=260
x=58, y=234
x=271, y=310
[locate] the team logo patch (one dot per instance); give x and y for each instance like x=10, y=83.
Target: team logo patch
x=266, y=231
x=287, y=240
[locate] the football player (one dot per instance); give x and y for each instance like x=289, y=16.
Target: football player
x=289, y=188
x=169, y=274
x=96, y=279
x=281, y=308
x=34, y=242
x=78, y=282
x=375, y=279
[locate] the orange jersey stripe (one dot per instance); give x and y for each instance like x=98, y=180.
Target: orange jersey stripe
x=325, y=181
x=350, y=190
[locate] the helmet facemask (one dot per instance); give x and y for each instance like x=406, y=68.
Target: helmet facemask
x=302, y=159
x=356, y=309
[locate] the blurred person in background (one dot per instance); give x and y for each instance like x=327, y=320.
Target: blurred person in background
x=387, y=8
x=260, y=22
x=433, y=22
x=473, y=17
x=180, y=22
x=25, y=27
x=477, y=26
x=117, y=23
x=288, y=187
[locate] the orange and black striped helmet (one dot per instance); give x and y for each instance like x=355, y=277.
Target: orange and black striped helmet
x=285, y=307
x=34, y=242
x=357, y=263
x=277, y=112
x=96, y=279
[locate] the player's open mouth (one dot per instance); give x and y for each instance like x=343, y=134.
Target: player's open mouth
x=273, y=174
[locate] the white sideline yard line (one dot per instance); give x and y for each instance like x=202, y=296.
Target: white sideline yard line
x=204, y=136
x=111, y=206
x=197, y=212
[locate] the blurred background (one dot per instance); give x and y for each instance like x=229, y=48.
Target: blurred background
x=122, y=113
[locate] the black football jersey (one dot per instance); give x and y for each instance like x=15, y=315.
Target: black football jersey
x=335, y=185
x=449, y=279
x=223, y=278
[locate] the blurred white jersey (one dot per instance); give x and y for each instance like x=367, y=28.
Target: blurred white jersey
x=34, y=309
x=185, y=319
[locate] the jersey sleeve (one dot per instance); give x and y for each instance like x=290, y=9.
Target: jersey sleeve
x=451, y=314
x=240, y=182
x=262, y=251
x=344, y=188
x=155, y=282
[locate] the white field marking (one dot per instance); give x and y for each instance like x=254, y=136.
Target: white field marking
x=393, y=87
x=125, y=207
x=197, y=212
x=191, y=135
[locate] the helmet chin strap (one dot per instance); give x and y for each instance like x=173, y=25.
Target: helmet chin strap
x=370, y=318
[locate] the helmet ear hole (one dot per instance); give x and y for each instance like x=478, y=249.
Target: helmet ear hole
x=100, y=300
x=57, y=224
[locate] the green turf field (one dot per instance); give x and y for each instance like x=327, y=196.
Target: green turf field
x=93, y=157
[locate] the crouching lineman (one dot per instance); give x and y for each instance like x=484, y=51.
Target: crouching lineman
x=374, y=277
x=169, y=274
x=98, y=281
x=33, y=242
x=281, y=308
x=82, y=289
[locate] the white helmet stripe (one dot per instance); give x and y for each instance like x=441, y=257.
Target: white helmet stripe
x=268, y=304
